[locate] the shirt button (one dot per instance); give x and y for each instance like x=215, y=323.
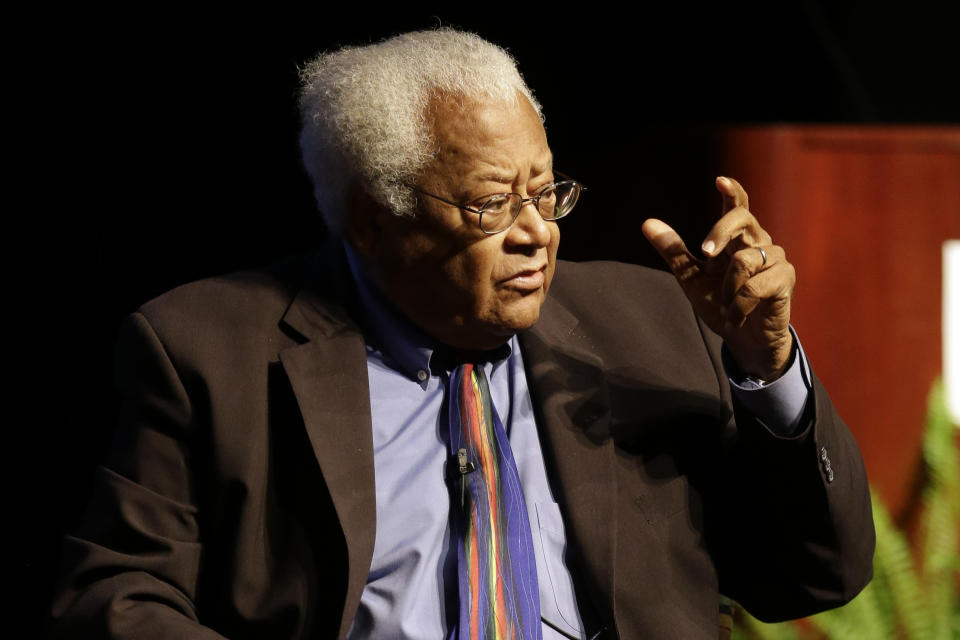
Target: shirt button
x=422, y=375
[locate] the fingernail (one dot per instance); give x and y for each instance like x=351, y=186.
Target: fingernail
x=725, y=180
x=708, y=247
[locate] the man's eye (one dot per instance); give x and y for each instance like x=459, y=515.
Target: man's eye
x=496, y=205
x=548, y=196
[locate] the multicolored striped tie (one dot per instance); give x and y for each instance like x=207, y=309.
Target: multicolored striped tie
x=498, y=572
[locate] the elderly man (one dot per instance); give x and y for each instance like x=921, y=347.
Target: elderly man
x=433, y=429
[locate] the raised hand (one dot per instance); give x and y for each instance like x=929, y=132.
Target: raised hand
x=742, y=290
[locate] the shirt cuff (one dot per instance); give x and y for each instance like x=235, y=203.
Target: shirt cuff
x=779, y=404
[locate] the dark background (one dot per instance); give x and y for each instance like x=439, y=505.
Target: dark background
x=161, y=146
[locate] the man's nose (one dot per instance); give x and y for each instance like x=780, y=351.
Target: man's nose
x=529, y=227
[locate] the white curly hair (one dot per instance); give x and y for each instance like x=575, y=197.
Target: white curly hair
x=363, y=112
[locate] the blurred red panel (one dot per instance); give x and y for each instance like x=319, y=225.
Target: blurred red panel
x=862, y=212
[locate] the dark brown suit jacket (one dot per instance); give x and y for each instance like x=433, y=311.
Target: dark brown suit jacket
x=239, y=500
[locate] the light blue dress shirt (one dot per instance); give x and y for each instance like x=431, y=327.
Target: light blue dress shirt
x=411, y=589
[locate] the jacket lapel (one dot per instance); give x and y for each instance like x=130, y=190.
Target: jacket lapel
x=328, y=374
x=569, y=390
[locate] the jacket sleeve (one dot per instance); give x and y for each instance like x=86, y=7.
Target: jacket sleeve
x=791, y=522
x=131, y=569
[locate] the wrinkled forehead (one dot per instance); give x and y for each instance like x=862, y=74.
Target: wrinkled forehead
x=464, y=129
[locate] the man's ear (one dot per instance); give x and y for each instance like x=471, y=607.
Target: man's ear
x=364, y=227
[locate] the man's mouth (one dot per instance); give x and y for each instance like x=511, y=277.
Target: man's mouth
x=526, y=280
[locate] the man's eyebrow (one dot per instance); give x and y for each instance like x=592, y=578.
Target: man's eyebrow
x=507, y=177
x=495, y=176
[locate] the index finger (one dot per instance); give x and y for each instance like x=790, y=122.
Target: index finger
x=734, y=195
x=736, y=223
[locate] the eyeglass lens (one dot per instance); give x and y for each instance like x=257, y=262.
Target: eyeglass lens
x=554, y=202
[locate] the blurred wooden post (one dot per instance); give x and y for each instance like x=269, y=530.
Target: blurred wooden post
x=862, y=213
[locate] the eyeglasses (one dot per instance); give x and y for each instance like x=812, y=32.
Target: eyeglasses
x=499, y=211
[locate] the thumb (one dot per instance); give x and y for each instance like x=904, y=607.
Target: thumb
x=669, y=245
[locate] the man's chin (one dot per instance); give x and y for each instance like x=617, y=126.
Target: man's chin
x=481, y=332
x=523, y=315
